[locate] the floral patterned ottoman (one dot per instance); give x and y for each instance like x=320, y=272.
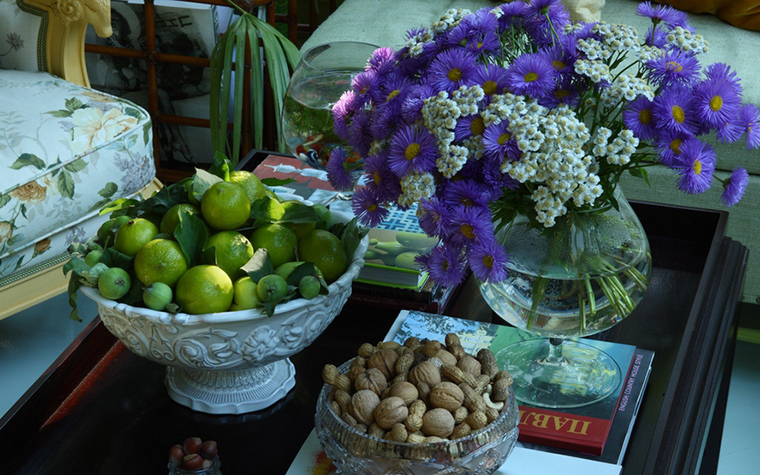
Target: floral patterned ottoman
x=65, y=151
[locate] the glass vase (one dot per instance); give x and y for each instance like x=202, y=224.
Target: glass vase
x=580, y=277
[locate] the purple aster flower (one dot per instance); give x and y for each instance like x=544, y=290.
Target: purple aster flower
x=675, y=67
x=731, y=131
x=433, y=215
x=562, y=60
x=470, y=224
x=512, y=14
x=385, y=184
x=382, y=60
x=724, y=72
x=391, y=88
x=450, y=70
x=716, y=102
x=544, y=17
x=696, y=166
x=735, y=186
x=467, y=193
x=444, y=263
x=668, y=144
x=476, y=32
x=638, y=117
x=411, y=108
x=750, y=116
x=367, y=208
x=657, y=37
x=358, y=132
x=469, y=126
x=338, y=170
x=673, y=110
x=531, y=75
x=363, y=84
x=412, y=149
x=496, y=181
x=499, y=143
x=341, y=111
x=488, y=261
x=663, y=14
x=386, y=119
x=492, y=78
x=565, y=92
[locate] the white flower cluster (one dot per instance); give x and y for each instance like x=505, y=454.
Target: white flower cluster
x=686, y=41
x=646, y=53
x=415, y=187
x=448, y=21
x=626, y=87
x=596, y=70
x=617, y=37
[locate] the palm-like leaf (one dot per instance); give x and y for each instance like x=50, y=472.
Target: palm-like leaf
x=281, y=57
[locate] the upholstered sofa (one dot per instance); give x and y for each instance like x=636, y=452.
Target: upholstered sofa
x=386, y=23
x=65, y=149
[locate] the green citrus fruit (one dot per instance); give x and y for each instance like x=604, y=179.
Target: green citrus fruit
x=93, y=257
x=204, y=289
x=301, y=229
x=170, y=220
x=161, y=260
x=231, y=251
x=271, y=288
x=157, y=296
x=245, y=294
x=107, y=230
x=324, y=213
x=253, y=187
x=133, y=235
x=190, y=196
x=280, y=241
x=114, y=283
x=326, y=251
x=225, y=206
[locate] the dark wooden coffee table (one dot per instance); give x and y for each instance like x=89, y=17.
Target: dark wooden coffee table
x=100, y=409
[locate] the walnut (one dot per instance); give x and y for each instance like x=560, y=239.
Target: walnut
x=438, y=422
x=385, y=361
x=425, y=372
x=469, y=365
x=390, y=411
x=446, y=357
x=406, y=391
x=363, y=404
x=371, y=379
x=446, y=395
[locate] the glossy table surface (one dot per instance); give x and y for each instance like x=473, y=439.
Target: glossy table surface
x=103, y=410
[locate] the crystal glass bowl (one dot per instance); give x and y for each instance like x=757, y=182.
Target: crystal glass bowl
x=355, y=453
x=229, y=362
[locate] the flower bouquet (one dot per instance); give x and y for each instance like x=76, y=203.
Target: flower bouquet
x=511, y=127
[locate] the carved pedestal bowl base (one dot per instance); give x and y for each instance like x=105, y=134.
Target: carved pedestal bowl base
x=231, y=392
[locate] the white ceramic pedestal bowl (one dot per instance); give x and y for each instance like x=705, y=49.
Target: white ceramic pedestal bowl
x=229, y=362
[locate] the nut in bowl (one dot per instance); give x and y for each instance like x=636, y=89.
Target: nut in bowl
x=433, y=413
x=233, y=360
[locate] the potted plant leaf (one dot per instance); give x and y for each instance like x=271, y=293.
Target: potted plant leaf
x=238, y=45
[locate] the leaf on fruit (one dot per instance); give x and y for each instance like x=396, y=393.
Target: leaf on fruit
x=113, y=258
x=118, y=205
x=191, y=235
x=351, y=235
x=77, y=265
x=202, y=182
x=221, y=166
x=265, y=210
x=299, y=213
x=259, y=265
x=164, y=199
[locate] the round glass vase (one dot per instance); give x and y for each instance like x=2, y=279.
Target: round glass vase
x=577, y=278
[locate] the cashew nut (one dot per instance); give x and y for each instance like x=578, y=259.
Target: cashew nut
x=494, y=405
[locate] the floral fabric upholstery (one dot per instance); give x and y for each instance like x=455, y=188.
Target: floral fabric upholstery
x=65, y=151
x=19, y=34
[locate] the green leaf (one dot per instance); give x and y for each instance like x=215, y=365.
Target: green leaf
x=351, y=236
x=202, y=182
x=66, y=184
x=640, y=172
x=60, y=114
x=299, y=213
x=147, y=128
x=221, y=166
x=74, y=104
x=113, y=258
x=75, y=166
x=191, y=234
x=265, y=210
x=4, y=200
x=132, y=112
x=276, y=181
x=28, y=160
x=259, y=265
x=73, y=289
x=118, y=205
x=108, y=190
x=77, y=265
x=164, y=199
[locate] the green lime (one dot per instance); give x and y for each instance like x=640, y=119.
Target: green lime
x=107, y=231
x=246, y=294
x=93, y=257
x=114, y=283
x=271, y=288
x=280, y=241
x=161, y=260
x=253, y=187
x=308, y=286
x=231, y=250
x=326, y=251
x=170, y=220
x=225, y=206
x=133, y=235
x=204, y=289
x=157, y=296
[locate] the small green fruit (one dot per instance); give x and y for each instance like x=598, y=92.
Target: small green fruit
x=114, y=283
x=245, y=294
x=271, y=288
x=309, y=286
x=93, y=257
x=157, y=296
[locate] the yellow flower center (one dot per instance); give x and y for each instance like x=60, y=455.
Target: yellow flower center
x=467, y=231
x=678, y=114
x=558, y=64
x=371, y=207
x=530, y=77
x=560, y=93
x=675, y=146
x=504, y=138
x=377, y=178
x=477, y=126
x=455, y=74
x=412, y=150
x=716, y=103
x=697, y=167
x=674, y=66
x=488, y=261
x=392, y=95
x=645, y=116
x=489, y=87
x=466, y=202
